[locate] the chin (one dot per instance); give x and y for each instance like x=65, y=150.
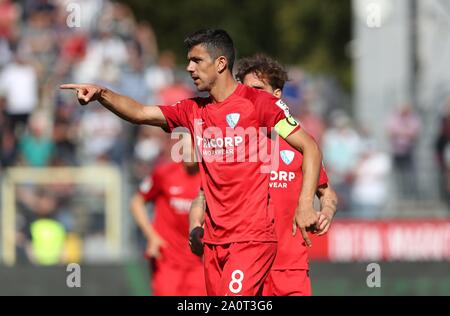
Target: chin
x=202, y=88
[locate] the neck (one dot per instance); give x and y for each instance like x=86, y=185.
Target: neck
x=223, y=88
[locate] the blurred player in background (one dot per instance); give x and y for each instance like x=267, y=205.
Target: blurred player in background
x=239, y=229
x=171, y=187
x=289, y=274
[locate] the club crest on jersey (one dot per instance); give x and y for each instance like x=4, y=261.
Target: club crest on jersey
x=233, y=119
x=287, y=156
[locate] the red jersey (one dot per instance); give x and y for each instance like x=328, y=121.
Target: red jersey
x=225, y=134
x=172, y=190
x=284, y=187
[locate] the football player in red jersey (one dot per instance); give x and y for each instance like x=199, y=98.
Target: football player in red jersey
x=239, y=229
x=176, y=271
x=289, y=275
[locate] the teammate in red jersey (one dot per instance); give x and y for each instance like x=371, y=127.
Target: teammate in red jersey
x=239, y=229
x=171, y=187
x=289, y=273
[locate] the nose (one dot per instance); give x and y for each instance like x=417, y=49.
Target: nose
x=190, y=66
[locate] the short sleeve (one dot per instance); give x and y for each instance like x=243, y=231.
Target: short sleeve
x=150, y=187
x=177, y=114
x=274, y=113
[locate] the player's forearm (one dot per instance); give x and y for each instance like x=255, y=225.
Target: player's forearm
x=139, y=212
x=312, y=160
x=196, y=217
x=131, y=110
x=328, y=200
x=197, y=211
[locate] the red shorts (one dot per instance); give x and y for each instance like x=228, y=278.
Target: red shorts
x=169, y=280
x=238, y=269
x=287, y=283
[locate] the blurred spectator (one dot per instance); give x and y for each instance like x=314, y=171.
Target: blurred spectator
x=148, y=144
x=99, y=133
x=73, y=47
x=175, y=92
x=65, y=136
x=42, y=234
x=9, y=14
x=370, y=191
x=442, y=147
x=19, y=85
x=312, y=123
x=8, y=150
x=293, y=91
x=161, y=75
x=341, y=148
x=404, y=127
x=36, y=145
x=5, y=52
x=47, y=233
x=121, y=20
x=149, y=150
x=132, y=80
x=72, y=51
x=38, y=39
x=8, y=144
x=145, y=35
x=103, y=59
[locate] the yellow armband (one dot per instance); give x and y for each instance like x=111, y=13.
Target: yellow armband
x=286, y=126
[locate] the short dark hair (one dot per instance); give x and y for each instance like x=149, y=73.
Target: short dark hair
x=263, y=67
x=217, y=42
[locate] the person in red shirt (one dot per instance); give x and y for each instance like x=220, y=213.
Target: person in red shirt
x=289, y=275
x=239, y=228
x=171, y=187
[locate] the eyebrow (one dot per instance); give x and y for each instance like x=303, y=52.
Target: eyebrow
x=195, y=58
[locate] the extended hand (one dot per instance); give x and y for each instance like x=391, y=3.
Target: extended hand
x=85, y=92
x=306, y=219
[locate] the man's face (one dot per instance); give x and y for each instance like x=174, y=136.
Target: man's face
x=202, y=68
x=252, y=80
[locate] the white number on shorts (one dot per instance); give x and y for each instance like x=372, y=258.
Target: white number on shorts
x=236, y=278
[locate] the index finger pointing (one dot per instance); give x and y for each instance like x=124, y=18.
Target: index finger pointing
x=70, y=86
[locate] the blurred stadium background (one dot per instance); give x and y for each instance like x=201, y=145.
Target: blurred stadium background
x=369, y=80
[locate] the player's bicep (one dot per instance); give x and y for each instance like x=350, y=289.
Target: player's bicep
x=154, y=116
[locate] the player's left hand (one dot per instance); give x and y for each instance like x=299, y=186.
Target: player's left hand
x=195, y=240
x=324, y=223
x=306, y=219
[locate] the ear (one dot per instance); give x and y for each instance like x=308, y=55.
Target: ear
x=221, y=64
x=277, y=93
